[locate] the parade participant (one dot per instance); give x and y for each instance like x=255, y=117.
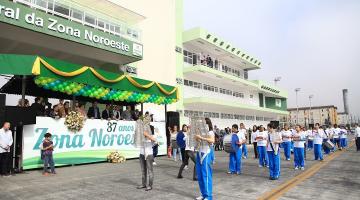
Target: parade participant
x=299, y=138
x=261, y=138
x=327, y=136
x=144, y=140
x=286, y=137
x=204, y=163
x=343, y=137
x=189, y=153
x=235, y=152
x=336, y=136
x=303, y=129
x=47, y=149
x=318, y=134
x=272, y=148
x=310, y=139
x=6, y=141
x=357, y=137
x=241, y=132
x=254, y=142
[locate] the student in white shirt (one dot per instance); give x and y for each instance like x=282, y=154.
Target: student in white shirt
x=336, y=135
x=310, y=139
x=357, y=137
x=286, y=137
x=243, y=131
x=299, y=138
x=327, y=136
x=318, y=140
x=261, y=138
x=343, y=137
x=6, y=141
x=254, y=142
x=272, y=148
x=204, y=161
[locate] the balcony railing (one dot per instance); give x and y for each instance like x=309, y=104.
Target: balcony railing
x=214, y=63
x=76, y=14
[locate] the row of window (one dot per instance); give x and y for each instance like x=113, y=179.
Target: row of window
x=65, y=11
x=193, y=59
x=215, y=89
x=191, y=113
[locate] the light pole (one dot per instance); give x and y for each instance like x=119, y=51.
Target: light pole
x=277, y=79
x=297, y=106
x=310, y=97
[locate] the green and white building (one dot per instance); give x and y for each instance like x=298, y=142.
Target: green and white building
x=220, y=89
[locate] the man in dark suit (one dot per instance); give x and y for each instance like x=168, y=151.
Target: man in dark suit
x=94, y=112
x=106, y=114
x=38, y=107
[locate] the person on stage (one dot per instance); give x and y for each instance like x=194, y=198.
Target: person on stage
x=241, y=132
x=261, y=139
x=357, y=137
x=145, y=140
x=254, y=142
x=6, y=141
x=235, y=154
x=318, y=134
x=204, y=161
x=273, y=151
x=299, y=138
x=188, y=153
x=286, y=137
x=343, y=137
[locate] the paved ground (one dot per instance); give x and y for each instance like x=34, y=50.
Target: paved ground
x=119, y=181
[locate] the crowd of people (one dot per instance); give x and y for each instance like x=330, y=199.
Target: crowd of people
x=268, y=143
x=42, y=107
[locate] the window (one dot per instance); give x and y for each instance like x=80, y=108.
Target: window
x=101, y=23
x=251, y=96
x=249, y=117
x=62, y=9
x=41, y=3
x=188, y=57
x=89, y=19
x=77, y=14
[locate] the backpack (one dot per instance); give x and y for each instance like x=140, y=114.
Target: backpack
x=227, y=144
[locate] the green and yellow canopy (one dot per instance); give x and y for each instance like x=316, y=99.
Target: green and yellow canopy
x=85, y=81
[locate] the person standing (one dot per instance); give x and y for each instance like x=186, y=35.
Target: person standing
x=6, y=141
x=189, y=153
x=204, y=161
x=299, y=138
x=336, y=136
x=318, y=140
x=286, y=137
x=235, y=153
x=254, y=142
x=127, y=114
x=94, y=111
x=47, y=151
x=310, y=138
x=181, y=142
x=243, y=132
x=357, y=137
x=175, y=148
x=261, y=139
x=327, y=137
x=274, y=141
x=107, y=113
x=146, y=154
x=343, y=137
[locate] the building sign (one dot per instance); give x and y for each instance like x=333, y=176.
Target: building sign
x=92, y=144
x=25, y=17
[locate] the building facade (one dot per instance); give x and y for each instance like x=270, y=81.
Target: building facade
x=325, y=115
x=213, y=77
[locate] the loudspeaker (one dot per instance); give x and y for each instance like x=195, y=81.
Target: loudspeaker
x=2, y=108
x=19, y=116
x=275, y=123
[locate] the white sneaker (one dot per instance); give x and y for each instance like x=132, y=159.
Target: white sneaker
x=186, y=167
x=154, y=163
x=302, y=168
x=288, y=159
x=260, y=166
x=199, y=198
x=296, y=168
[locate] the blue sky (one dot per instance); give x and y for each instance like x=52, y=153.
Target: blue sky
x=311, y=44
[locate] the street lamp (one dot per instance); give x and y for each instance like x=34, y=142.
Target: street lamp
x=277, y=79
x=310, y=97
x=297, y=106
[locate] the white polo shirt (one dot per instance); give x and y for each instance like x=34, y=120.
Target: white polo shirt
x=241, y=135
x=262, y=142
x=300, y=144
x=336, y=132
x=5, y=140
x=253, y=136
x=287, y=133
x=343, y=133
x=357, y=132
x=318, y=136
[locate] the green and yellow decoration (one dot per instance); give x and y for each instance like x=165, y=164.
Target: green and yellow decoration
x=79, y=80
